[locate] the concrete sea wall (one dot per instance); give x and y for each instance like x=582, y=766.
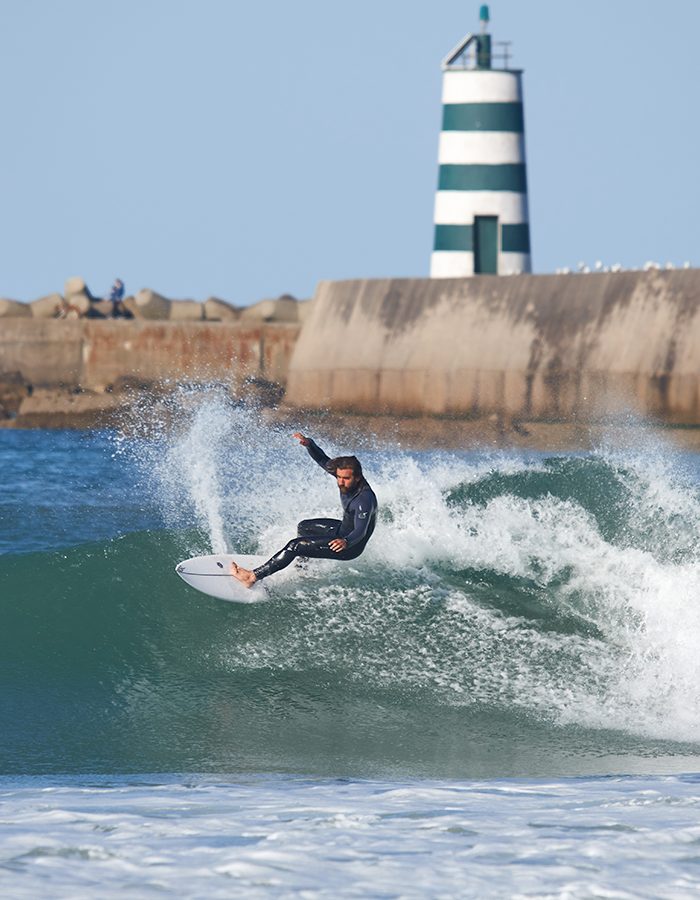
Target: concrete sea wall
x=84, y=373
x=442, y=362
x=77, y=361
x=526, y=348
x=94, y=354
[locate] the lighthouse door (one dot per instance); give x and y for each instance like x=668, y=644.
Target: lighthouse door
x=485, y=245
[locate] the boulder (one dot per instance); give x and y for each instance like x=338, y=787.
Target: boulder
x=284, y=309
x=77, y=296
x=129, y=303
x=13, y=308
x=149, y=305
x=74, y=286
x=100, y=309
x=220, y=311
x=186, y=311
x=48, y=307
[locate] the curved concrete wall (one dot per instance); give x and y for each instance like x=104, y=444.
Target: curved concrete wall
x=530, y=347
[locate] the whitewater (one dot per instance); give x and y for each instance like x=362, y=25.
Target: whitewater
x=499, y=698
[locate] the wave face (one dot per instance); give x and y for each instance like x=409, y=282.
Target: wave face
x=512, y=615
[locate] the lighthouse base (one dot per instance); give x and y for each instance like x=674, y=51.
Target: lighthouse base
x=460, y=264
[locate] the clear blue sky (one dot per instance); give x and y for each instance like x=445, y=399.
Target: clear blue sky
x=245, y=150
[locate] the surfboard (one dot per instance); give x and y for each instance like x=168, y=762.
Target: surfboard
x=210, y=575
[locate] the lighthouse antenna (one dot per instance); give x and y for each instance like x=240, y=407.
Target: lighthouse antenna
x=484, y=18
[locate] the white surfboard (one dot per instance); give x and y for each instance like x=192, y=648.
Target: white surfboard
x=211, y=575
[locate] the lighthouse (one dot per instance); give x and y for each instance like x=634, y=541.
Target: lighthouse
x=481, y=216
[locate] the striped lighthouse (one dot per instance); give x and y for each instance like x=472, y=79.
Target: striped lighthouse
x=481, y=217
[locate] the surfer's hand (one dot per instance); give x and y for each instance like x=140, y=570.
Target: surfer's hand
x=338, y=544
x=304, y=441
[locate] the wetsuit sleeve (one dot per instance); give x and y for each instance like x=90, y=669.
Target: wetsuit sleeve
x=318, y=455
x=365, y=512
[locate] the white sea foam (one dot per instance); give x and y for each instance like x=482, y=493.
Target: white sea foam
x=639, y=593
x=286, y=838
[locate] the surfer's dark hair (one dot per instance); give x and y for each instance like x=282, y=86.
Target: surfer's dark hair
x=346, y=462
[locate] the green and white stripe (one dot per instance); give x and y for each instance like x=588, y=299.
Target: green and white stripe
x=482, y=185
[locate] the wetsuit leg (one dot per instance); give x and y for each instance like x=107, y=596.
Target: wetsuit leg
x=327, y=528
x=313, y=547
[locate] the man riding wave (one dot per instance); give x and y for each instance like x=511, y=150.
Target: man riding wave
x=326, y=538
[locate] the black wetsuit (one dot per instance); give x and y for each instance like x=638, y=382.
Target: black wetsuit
x=314, y=535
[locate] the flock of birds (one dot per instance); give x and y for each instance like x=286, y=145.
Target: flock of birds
x=582, y=267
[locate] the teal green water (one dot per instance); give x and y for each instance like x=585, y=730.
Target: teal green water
x=511, y=616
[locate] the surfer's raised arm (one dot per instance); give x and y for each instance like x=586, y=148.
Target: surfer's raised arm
x=315, y=451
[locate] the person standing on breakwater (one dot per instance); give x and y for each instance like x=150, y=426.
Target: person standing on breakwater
x=116, y=295
x=326, y=538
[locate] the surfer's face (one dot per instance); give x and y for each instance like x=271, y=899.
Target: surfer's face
x=346, y=481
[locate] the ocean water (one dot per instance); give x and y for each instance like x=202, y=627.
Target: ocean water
x=500, y=698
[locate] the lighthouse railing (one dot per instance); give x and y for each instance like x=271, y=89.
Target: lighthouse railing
x=467, y=56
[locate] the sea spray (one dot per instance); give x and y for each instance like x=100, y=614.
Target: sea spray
x=204, y=467
x=192, y=467
x=216, y=464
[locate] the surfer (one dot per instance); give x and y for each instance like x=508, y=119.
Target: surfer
x=326, y=538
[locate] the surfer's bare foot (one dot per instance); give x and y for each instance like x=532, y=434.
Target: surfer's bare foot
x=245, y=576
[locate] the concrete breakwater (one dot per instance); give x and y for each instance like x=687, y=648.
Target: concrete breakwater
x=530, y=360
x=66, y=361
x=94, y=355
x=576, y=348
x=73, y=373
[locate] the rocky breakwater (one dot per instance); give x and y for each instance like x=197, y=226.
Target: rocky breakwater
x=65, y=362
